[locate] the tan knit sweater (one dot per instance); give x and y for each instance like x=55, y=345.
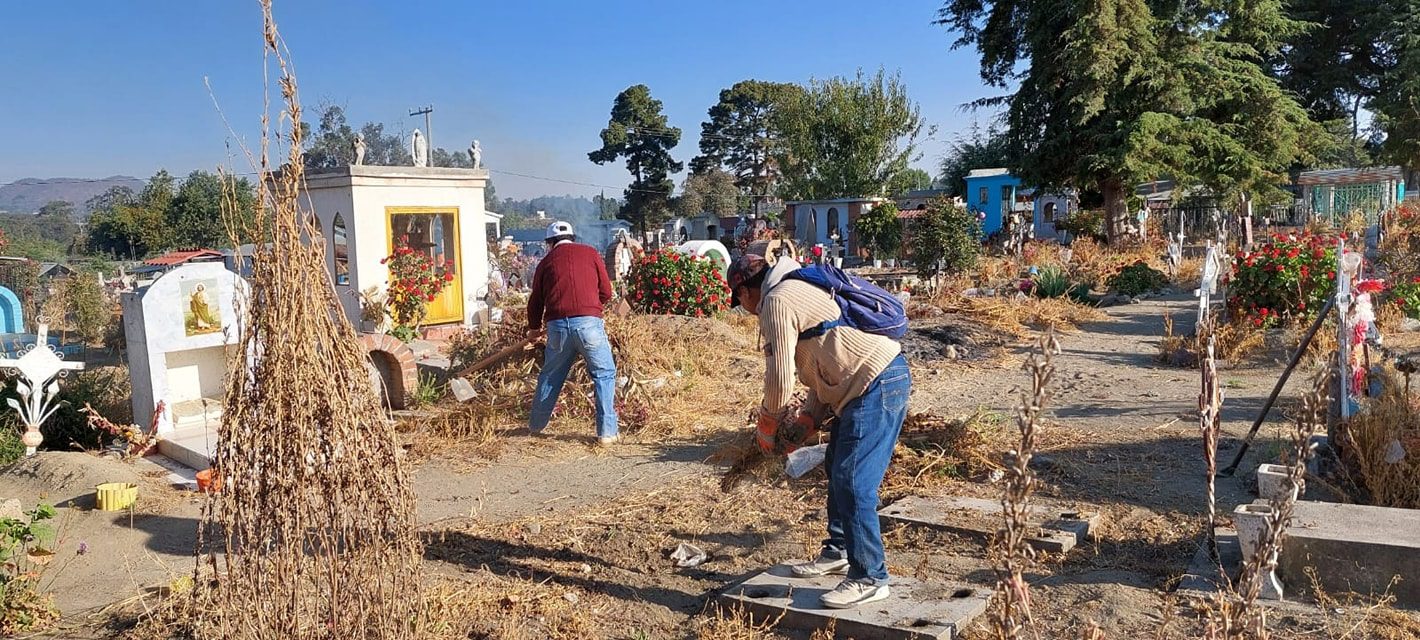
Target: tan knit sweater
x=836, y=367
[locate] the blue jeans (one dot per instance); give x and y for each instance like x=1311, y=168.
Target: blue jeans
x=859, y=451
x=566, y=339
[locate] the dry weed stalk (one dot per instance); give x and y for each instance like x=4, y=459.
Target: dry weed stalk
x=1210, y=423
x=1233, y=614
x=1014, y=554
x=313, y=534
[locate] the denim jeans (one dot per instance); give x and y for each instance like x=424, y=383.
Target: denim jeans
x=566, y=339
x=859, y=451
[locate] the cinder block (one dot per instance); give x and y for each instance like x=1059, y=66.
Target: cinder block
x=1062, y=528
x=915, y=611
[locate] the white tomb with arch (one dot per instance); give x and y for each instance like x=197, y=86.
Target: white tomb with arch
x=181, y=330
x=363, y=211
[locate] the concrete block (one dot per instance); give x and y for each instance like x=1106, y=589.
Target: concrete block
x=1062, y=528
x=1251, y=520
x=1354, y=548
x=915, y=611
x=1272, y=481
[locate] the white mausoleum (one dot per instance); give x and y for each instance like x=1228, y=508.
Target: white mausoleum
x=363, y=211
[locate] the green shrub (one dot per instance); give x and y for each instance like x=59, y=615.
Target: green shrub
x=24, y=539
x=945, y=238
x=1053, y=282
x=880, y=231
x=1282, y=280
x=1406, y=295
x=11, y=449
x=1137, y=278
x=427, y=392
x=1088, y=223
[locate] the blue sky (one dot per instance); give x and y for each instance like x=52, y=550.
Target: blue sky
x=100, y=88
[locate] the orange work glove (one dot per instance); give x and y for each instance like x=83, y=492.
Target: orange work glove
x=797, y=434
x=765, y=431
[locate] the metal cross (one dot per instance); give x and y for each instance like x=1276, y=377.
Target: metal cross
x=39, y=369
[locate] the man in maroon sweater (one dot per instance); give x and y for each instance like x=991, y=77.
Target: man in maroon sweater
x=569, y=289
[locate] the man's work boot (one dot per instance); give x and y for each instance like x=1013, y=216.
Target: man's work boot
x=819, y=566
x=851, y=593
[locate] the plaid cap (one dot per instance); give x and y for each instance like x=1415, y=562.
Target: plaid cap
x=742, y=270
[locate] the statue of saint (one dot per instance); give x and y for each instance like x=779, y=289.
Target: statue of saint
x=475, y=154
x=359, y=149
x=420, y=150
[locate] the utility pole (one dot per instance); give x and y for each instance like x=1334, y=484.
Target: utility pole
x=428, y=131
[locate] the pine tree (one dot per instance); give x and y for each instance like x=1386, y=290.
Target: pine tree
x=639, y=132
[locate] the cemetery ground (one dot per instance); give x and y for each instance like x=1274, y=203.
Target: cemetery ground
x=555, y=537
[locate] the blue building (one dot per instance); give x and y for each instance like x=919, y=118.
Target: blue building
x=992, y=192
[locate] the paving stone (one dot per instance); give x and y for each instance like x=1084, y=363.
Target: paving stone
x=1203, y=577
x=916, y=610
x=1062, y=528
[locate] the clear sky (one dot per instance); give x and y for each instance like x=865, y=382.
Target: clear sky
x=92, y=89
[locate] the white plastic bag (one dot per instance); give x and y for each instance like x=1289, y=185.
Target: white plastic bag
x=804, y=459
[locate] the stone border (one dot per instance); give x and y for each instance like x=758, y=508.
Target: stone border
x=402, y=356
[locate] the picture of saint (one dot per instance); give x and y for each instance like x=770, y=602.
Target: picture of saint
x=200, y=315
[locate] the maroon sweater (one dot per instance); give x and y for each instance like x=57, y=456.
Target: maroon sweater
x=571, y=281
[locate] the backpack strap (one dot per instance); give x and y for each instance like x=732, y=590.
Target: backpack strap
x=820, y=328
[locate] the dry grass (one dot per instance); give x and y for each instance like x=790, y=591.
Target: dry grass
x=1019, y=316
x=1235, y=342
x=1387, y=426
x=934, y=452
x=667, y=367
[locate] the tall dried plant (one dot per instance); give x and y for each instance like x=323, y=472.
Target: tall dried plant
x=1210, y=424
x=1013, y=554
x=313, y=532
x=1233, y=613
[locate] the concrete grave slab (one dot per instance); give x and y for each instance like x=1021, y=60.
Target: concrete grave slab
x=1354, y=548
x=915, y=611
x=1203, y=577
x=1062, y=528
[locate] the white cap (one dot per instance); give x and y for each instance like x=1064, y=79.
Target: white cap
x=558, y=228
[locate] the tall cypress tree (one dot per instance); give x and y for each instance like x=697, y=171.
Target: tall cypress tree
x=639, y=132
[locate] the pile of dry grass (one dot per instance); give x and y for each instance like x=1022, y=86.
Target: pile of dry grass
x=933, y=452
x=1018, y=316
x=1381, y=448
x=676, y=376
x=1234, y=342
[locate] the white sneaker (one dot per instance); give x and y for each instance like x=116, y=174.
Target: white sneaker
x=851, y=593
x=606, y=440
x=819, y=566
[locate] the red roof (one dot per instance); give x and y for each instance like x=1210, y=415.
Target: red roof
x=179, y=257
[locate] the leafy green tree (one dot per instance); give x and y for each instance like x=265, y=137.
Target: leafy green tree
x=333, y=143
x=709, y=191
x=740, y=135
x=1334, y=66
x=912, y=179
x=606, y=207
x=975, y=149
x=846, y=137
x=197, y=217
x=490, y=197
x=639, y=132
x=880, y=231
x=1131, y=90
x=946, y=237
x=117, y=195
x=440, y=157
x=1397, y=104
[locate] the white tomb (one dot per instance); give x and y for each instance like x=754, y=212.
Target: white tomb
x=181, y=329
x=363, y=211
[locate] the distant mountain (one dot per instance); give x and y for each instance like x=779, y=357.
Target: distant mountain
x=29, y=194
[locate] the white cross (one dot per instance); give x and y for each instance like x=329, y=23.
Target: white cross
x=38, y=369
x=1208, y=286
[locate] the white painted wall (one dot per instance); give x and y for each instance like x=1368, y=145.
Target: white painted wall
x=157, y=336
x=363, y=194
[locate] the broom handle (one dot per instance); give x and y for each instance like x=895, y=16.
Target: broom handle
x=1281, y=382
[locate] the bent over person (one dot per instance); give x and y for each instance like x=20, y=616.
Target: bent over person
x=859, y=377
x=569, y=289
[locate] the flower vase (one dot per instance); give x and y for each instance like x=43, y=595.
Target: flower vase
x=31, y=439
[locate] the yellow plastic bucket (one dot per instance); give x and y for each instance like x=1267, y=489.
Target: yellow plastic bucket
x=117, y=496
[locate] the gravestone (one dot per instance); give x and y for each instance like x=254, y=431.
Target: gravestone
x=181, y=330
